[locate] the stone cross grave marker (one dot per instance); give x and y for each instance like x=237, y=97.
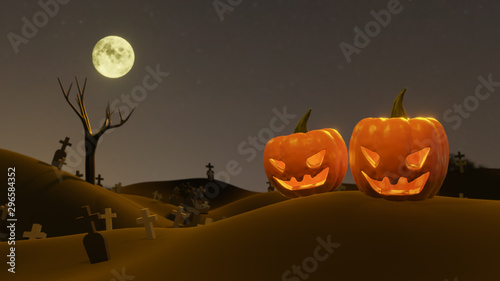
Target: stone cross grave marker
x=99, y=179
x=194, y=216
x=117, y=188
x=210, y=172
x=94, y=243
x=108, y=218
x=460, y=162
x=180, y=215
x=157, y=195
x=148, y=220
x=35, y=233
x=60, y=153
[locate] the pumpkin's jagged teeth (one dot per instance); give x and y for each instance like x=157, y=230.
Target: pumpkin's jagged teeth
x=402, y=180
x=307, y=181
x=402, y=187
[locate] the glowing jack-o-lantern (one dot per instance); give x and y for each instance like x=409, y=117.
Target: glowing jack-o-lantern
x=306, y=162
x=399, y=158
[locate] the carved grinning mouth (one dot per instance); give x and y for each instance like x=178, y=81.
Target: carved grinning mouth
x=402, y=187
x=306, y=183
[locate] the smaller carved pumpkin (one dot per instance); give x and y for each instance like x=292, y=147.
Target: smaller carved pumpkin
x=306, y=162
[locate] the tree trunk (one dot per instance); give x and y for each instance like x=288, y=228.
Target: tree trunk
x=90, y=147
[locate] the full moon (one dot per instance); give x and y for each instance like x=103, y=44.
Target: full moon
x=113, y=56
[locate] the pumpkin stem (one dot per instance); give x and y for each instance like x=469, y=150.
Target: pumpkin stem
x=398, y=109
x=302, y=125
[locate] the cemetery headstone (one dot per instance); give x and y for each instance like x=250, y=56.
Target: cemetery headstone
x=117, y=188
x=194, y=216
x=148, y=220
x=94, y=243
x=35, y=233
x=157, y=195
x=61, y=163
x=180, y=215
x=108, y=218
x=460, y=162
x=99, y=179
x=210, y=172
x=60, y=153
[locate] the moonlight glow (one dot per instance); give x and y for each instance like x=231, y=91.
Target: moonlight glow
x=113, y=56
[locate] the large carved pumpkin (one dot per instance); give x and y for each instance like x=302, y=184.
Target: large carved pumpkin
x=399, y=158
x=306, y=162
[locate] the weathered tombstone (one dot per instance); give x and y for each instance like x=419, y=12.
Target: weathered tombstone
x=270, y=187
x=460, y=162
x=199, y=201
x=210, y=173
x=117, y=188
x=60, y=153
x=194, y=216
x=108, y=218
x=200, y=194
x=95, y=244
x=207, y=221
x=61, y=163
x=157, y=195
x=180, y=215
x=148, y=220
x=35, y=233
x=5, y=211
x=99, y=179
x=78, y=174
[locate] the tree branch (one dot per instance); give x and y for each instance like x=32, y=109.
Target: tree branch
x=66, y=96
x=108, y=124
x=81, y=103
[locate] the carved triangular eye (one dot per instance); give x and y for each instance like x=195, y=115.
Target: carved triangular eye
x=280, y=165
x=417, y=159
x=371, y=156
x=316, y=160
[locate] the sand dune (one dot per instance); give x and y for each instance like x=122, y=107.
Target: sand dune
x=54, y=199
x=379, y=240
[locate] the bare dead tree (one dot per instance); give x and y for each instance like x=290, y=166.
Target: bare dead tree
x=91, y=138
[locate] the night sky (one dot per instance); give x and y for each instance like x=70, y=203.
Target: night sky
x=226, y=77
